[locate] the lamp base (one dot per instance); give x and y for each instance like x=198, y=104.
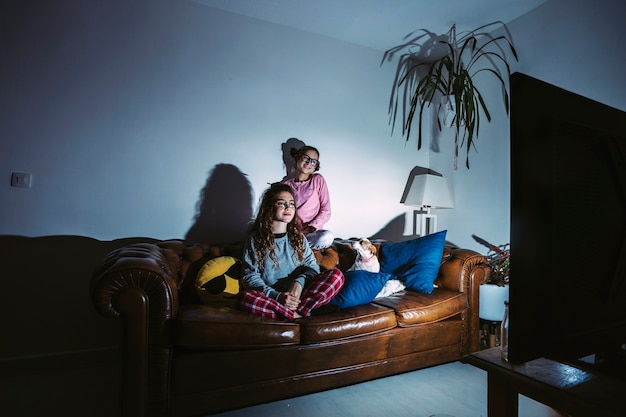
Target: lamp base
x=428, y=222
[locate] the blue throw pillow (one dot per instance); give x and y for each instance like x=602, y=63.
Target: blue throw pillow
x=360, y=287
x=414, y=262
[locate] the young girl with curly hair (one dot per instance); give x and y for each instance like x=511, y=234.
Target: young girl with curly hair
x=281, y=278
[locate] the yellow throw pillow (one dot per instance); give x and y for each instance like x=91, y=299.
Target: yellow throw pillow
x=217, y=282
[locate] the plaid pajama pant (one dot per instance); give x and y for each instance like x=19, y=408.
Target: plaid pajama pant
x=318, y=292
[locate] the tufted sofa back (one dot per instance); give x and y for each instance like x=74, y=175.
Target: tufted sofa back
x=181, y=260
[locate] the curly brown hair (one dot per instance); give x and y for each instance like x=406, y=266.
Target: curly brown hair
x=262, y=227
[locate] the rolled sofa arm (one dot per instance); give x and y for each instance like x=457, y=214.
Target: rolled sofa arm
x=462, y=269
x=144, y=271
x=139, y=284
x=465, y=270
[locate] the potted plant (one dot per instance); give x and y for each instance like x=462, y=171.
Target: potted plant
x=442, y=68
x=495, y=291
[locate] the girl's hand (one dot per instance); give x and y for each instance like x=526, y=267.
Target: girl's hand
x=306, y=228
x=296, y=290
x=289, y=300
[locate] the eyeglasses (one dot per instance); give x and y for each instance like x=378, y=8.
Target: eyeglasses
x=308, y=160
x=285, y=204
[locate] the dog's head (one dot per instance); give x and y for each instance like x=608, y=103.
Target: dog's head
x=364, y=248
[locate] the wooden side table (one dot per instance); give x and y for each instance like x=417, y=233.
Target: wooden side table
x=566, y=388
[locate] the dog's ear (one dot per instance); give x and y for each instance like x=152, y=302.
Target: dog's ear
x=368, y=245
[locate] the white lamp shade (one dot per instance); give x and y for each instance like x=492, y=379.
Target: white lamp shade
x=428, y=190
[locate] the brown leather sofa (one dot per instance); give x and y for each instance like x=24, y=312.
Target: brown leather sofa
x=184, y=358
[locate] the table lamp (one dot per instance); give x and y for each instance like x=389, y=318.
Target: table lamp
x=426, y=189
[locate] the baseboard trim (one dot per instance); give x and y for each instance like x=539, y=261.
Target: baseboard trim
x=60, y=361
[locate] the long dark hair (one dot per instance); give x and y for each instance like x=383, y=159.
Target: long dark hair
x=262, y=227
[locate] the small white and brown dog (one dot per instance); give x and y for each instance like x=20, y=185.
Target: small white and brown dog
x=366, y=258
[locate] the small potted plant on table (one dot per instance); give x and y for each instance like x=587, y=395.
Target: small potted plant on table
x=494, y=292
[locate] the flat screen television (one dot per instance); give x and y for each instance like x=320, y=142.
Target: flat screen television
x=567, y=288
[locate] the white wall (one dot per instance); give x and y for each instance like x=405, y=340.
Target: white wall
x=122, y=112
x=575, y=44
x=121, y=117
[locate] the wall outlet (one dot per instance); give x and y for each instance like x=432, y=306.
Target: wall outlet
x=21, y=179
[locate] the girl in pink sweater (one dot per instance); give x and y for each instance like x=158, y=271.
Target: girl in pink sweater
x=311, y=195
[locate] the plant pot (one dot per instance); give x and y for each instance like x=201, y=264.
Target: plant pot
x=491, y=303
x=447, y=110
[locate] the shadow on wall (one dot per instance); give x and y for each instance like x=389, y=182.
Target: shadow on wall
x=288, y=161
x=224, y=210
x=393, y=231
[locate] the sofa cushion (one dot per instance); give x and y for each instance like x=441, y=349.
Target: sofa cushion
x=413, y=308
x=414, y=262
x=208, y=327
x=354, y=321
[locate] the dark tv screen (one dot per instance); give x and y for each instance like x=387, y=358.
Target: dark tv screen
x=568, y=223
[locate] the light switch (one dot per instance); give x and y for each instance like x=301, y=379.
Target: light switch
x=20, y=180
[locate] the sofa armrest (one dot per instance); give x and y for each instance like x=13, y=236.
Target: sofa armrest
x=143, y=285
x=139, y=284
x=465, y=270
x=142, y=270
x=462, y=269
